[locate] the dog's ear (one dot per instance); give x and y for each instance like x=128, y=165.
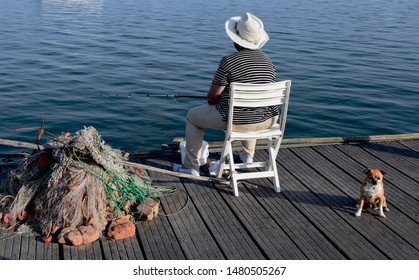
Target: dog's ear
x=382, y=172
x=367, y=171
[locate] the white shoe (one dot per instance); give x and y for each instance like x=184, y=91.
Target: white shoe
x=245, y=159
x=182, y=169
x=213, y=168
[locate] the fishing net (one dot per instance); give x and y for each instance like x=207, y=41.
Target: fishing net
x=73, y=182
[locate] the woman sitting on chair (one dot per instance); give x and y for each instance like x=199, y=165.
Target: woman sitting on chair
x=248, y=65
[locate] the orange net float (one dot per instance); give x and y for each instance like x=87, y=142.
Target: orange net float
x=77, y=236
x=6, y=218
x=23, y=216
x=46, y=238
x=120, y=229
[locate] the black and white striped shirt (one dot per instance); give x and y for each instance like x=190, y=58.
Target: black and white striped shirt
x=245, y=66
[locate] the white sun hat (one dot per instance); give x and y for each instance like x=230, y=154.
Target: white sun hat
x=247, y=31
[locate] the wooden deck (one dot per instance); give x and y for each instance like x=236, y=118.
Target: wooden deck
x=312, y=218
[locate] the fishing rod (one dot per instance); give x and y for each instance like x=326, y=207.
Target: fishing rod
x=173, y=96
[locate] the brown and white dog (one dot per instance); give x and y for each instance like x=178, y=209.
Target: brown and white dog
x=372, y=192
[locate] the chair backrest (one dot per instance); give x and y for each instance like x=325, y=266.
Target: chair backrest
x=260, y=95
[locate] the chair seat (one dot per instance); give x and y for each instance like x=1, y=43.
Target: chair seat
x=266, y=133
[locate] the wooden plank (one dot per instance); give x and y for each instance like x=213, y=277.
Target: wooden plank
x=228, y=232
x=273, y=240
x=17, y=242
x=96, y=251
x=45, y=251
x=20, y=144
x=144, y=232
x=404, y=151
x=126, y=249
x=113, y=249
x=305, y=235
x=24, y=247
x=106, y=249
x=261, y=225
x=32, y=241
x=168, y=238
x=81, y=250
x=390, y=243
x=67, y=253
x=190, y=230
x=298, y=182
x=39, y=251
x=411, y=144
x=136, y=247
x=132, y=249
x=87, y=251
x=403, y=159
x=71, y=253
x=400, y=157
x=51, y=251
x=34, y=249
x=311, y=142
x=159, y=232
x=348, y=140
x=3, y=237
x=231, y=236
x=10, y=242
x=90, y=251
x=8, y=247
x=123, y=255
x=74, y=253
x=158, y=247
x=161, y=244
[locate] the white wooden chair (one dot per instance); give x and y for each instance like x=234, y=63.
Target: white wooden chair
x=255, y=95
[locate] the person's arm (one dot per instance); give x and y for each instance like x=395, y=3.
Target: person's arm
x=214, y=94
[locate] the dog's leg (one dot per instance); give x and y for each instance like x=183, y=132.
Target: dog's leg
x=385, y=204
x=360, y=205
x=381, y=208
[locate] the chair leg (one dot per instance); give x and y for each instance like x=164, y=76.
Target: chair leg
x=235, y=186
x=233, y=180
x=231, y=158
x=276, y=178
x=223, y=160
x=272, y=164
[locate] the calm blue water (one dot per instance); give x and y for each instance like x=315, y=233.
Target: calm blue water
x=354, y=65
